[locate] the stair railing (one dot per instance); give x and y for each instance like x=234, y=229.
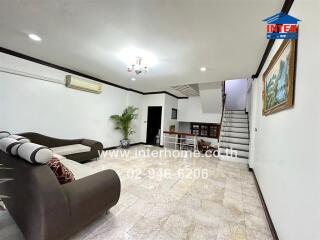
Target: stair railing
x=224, y=96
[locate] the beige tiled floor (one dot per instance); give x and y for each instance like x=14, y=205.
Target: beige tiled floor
x=223, y=206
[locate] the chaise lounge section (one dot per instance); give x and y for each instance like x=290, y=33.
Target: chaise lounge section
x=80, y=150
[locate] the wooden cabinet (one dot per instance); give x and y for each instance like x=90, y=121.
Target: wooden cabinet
x=210, y=130
x=195, y=129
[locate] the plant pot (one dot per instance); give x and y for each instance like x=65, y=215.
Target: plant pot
x=125, y=143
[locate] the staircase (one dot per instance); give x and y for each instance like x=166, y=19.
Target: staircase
x=234, y=135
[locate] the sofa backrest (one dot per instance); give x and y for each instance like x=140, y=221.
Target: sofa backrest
x=49, y=142
x=33, y=193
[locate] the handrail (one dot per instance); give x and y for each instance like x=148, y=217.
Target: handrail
x=224, y=96
x=179, y=141
x=179, y=133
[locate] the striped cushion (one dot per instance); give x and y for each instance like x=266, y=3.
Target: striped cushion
x=35, y=153
x=4, y=134
x=19, y=138
x=9, y=145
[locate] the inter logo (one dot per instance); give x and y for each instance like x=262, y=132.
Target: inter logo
x=282, y=26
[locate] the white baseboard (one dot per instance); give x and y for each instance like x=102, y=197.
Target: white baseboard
x=233, y=159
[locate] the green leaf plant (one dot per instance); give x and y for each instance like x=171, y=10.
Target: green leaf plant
x=123, y=121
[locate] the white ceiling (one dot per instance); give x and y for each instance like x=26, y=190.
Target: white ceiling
x=226, y=36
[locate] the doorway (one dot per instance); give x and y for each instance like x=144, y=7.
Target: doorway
x=153, y=124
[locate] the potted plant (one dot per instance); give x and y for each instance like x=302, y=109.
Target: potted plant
x=123, y=123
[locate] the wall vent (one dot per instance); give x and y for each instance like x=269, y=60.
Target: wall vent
x=189, y=90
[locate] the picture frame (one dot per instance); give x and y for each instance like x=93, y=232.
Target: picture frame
x=279, y=79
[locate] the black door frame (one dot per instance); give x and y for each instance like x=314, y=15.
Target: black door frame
x=148, y=118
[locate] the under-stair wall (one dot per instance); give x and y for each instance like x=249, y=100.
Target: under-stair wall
x=210, y=96
x=236, y=91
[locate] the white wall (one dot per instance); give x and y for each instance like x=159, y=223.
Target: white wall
x=33, y=105
x=165, y=101
x=236, y=91
x=249, y=95
x=254, y=112
x=286, y=159
x=28, y=104
x=184, y=127
x=190, y=110
x=151, y=101
x=1, y=101
x=170, y=102
x=210, y=96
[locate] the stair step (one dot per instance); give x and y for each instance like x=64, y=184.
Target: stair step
x=234, y=140
x=235, y=124
x=234, y=134
x=235, y=111
x=235, y=120
x=235, y=129
x=234, y=151
x=234, y=146
x=235, y=115
x=238, y=149
x=233, y=159
x=237, y=156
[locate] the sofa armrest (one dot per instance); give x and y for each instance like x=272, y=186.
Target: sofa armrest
x=95, y=145
x=92, y=195
x=36, y=200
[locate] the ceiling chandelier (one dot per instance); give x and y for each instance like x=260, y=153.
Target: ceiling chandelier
x=137, y=60
x=138, y=66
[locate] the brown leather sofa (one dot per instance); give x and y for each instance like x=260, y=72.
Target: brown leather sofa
x=51, y=142
x=45, y=210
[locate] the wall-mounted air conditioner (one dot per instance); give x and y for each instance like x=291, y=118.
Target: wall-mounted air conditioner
x=83, y=85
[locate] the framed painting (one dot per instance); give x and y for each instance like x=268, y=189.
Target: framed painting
x=279, y=79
